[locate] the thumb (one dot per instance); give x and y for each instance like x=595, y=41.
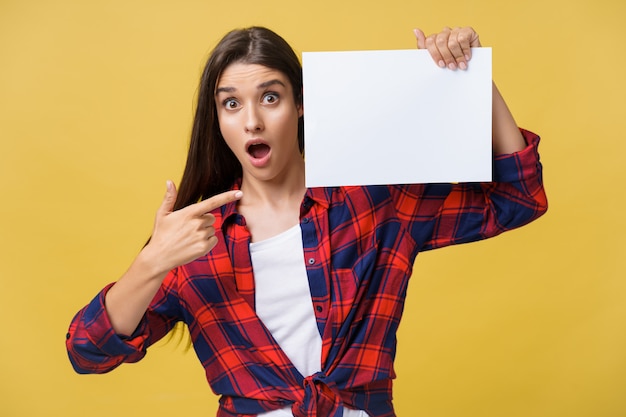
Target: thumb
x=167, y=206
x=421, y=38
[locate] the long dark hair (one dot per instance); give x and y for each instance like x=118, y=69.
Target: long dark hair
x=211, y=166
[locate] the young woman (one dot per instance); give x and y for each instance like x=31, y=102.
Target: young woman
x=292, y=296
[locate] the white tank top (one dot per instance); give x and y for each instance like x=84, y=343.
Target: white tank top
x=283, y=298
x=283, y=303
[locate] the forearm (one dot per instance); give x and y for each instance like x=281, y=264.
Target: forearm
x=505, y=132
x=110, y=330
x=127, y=301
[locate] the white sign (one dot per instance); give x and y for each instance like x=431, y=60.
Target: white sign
x=395, y=117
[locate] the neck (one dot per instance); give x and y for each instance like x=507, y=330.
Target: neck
x=285, y=187
x=271, y=207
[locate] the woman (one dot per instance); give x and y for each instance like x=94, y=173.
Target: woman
x=292, y=296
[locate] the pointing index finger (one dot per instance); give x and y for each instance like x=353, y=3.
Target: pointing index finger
x=218, y=200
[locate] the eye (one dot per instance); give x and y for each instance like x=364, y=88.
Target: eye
x=230, y=104
x=270, y=98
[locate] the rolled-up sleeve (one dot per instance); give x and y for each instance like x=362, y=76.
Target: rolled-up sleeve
x=92, y=344
x=439, y=215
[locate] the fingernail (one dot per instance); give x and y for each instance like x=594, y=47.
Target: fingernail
x=442, y=64
x=238, y=194
x=467, y=57
x=452, y=66
x=168, y=184
x=463, y=66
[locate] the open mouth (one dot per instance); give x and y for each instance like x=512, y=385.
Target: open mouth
x=258, y=150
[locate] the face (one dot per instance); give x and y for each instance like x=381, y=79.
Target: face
x=258, y=119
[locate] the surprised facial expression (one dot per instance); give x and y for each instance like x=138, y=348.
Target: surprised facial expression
x=258, y=119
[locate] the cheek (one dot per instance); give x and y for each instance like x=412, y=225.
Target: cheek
x=227, y=126
x=288, y=121
x=229, y=136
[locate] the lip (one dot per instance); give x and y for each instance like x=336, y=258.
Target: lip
x=258, y=162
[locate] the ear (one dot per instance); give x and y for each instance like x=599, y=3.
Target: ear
x=300, y=104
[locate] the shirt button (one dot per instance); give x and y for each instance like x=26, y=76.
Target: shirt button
x=319, y=309
x=311, y=261
x=306, y=220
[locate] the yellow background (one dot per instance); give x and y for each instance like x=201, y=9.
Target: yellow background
x=96, y=104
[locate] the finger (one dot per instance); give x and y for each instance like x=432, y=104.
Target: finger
x=471, y=39
x=167, y=205
x=209, y=219
x=206, y=232
x=441, y=43
x=431, y=45
x=216, y=201
x=472, y=36
x=204, y=224
x=212, y=241
x=466, y=39
x=421, y=38
x=457, y=45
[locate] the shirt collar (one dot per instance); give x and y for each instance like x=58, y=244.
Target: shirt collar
x=319, y=195
x=230, y=209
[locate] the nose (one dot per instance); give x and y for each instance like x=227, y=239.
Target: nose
x=254, y=120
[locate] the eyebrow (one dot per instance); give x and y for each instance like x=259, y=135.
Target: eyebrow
x=259, y=87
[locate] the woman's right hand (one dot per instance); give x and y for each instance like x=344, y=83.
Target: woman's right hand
x=184, y=235
x=178, y=238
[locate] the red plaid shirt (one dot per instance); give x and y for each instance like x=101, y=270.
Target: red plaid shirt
x=359, y=247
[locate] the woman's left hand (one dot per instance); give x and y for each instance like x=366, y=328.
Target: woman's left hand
x=451, y=47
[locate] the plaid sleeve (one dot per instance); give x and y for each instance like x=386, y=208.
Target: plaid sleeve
x=94, y=347
x=438, y=215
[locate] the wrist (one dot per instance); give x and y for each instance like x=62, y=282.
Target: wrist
x=151, y=263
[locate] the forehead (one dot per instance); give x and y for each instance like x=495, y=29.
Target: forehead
x=243, y=74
